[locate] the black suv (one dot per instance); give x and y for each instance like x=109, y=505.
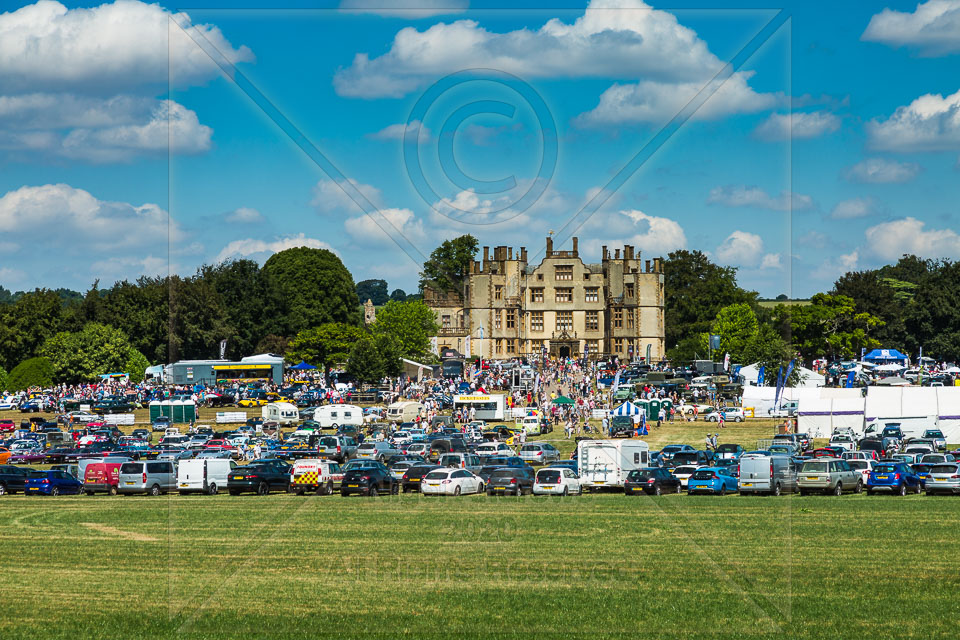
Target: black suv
x=653, y=481
x=414, y=475
x=507, y=480
x=12, y=479
x=262, y=477
x=368, y=477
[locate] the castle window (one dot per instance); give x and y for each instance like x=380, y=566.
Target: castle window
x=593, y=320
x=536, y=321
x=564, y=272
x=591, y=294
x=564, y=295
x=617, y=318
x=564, y=320
x=498, y=292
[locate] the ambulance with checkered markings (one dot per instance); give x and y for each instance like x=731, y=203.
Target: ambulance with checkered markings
x=321, y=477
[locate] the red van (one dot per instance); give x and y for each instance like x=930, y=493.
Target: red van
x=102, y=476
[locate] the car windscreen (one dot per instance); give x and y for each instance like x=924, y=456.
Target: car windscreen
x=671, y=448
x=724, y=448
x=131, y=467
x=504, y=473
x=687, y=469
x=944, y=468
x=437, y=475
x=328, y=442
x=640, y=474
x=37, y=474
x=367, y=446
x=857, y=464
x=684, y=457
x=548, y=476
x=885, y=468
x=530, y=447
x=815, y=467
x=703, y=474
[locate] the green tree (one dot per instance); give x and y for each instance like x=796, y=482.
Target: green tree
x=136, y=366
x=317, y=287
x=326, y=345
x=769, y=350
x=449, y=264
x=390, y=352
x=410, y=323
x=830, y=326
x=695, y=290
x=737, y=326
x=3, y=379
x=399, y=295
x=140, y=309
x=197, y=319
x=272, y=343
x=27, y=324
x=82, y=356
x=366, y=362
x=373, y=290
x=34, y=372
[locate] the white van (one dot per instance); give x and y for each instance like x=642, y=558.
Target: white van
x=404, y=411
x=337, y=415
x=281, y=412
x=203, y=475
x=531, y=425
x=606, y=463
x=763, y=473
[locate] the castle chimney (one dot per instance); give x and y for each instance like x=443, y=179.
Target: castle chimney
x=647, y=267
x=575, y=241
x=549, y=246
x=510, y=253
x=486, y=256
x=523, y=254
x=603, y=252
x=616, y=254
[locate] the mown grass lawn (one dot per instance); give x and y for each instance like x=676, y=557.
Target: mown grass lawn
x=407, y=566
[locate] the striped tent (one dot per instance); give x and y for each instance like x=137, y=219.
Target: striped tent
x=627, y=409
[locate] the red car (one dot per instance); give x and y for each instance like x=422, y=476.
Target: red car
x=827, y=452
x=7, y=426
x=217, y=443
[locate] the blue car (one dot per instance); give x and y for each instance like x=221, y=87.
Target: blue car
x=715, y=480
x=895, y=477
x=51, y=483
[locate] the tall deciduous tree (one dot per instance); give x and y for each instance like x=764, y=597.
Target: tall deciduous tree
x=449, y=264
x=25, y=325
x=82, y=356
x=33, y=372
x=373, y=290
x=326, y=345
x=737, y=326
x=830, y=326
x=316, y=286
x=366, y=362
x=410, y=323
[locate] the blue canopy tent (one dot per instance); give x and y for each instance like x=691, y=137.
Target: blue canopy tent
x=303, y=366
x=627, y=409
x=885, y=355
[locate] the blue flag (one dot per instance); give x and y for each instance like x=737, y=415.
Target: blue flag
x=850, y=376
x=776, y=395
x=789, y=371
x=760, y=375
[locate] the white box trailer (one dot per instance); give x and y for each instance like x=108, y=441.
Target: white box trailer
x=606, y=463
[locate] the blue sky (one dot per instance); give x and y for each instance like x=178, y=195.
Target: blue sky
x=125, y=150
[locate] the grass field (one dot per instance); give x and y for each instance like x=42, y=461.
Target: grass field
x=600, y=565
x=407, y=566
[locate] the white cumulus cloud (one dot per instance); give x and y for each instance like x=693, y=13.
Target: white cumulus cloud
x=853, y=208
x=929, y=123
x=410, y=9
x=745, y=249
x=881, y=171
x=890, y=240
x=796, y=126
x=933, y=28
x=380, y=227
x=262, y=249
x=399, y=131
x=751, y=196
x=343, y=195
x=244, y=215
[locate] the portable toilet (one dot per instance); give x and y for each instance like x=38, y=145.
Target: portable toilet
x=156, y=410
x=653, y=409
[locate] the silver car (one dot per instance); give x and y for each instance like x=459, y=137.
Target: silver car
x=829, y=475
x=539, y=453
x=944, y=478
x=152, y=477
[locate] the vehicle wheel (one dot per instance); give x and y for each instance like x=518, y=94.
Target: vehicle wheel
x=89, y=493
x=565, y=492
x=456, y=491
x=112, y=490
x=777, y=489
x=263, y=489
x=343, y=494
x=869, y=492
x=738, y=419
x=300, y=492
x=212, y=489
x=919, y=488
x=679, y=488
x=480, y=488
x=803, y=492
x=723, y=489
x=490, y=493
x=859, y=487
x=395, y=489
x=903, y=489
x=234, y=492
x=155, y=490
x=328, y=488
x=657, y=490
x=55, y=491
x=3, y=489
x=406, y=489
x=373, y=492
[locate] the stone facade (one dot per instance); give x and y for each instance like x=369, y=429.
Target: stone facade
x=563, y=305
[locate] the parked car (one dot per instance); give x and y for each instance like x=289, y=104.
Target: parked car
x=261, y=477
x=761, y=472
x=539, y=453
x=937, y=458
x=507, y=480
x=684, y=472
x=863, y=466
x=374, y=450
x=667, y=453
x=13, y=479
x=152, y=477
x=653, y=481
x=557, y=480
x=922, y=471
x=204, y=475
x=895, y=477
x=690, y=458
x=339, y=448
x=51, y=483
x=469, y=461
x=413, y=476
x=938, y=438
x=728, y=451
x=488, y=449
x=829, y=475
x=730, y=414
x=321, y=477
x=101, y=476
x=451, y=482
x=944, y=478
x=844, y=441
x=714, y=480
x=368, y=477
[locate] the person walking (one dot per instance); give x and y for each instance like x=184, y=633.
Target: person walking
x=606, y=426
x=708, y=442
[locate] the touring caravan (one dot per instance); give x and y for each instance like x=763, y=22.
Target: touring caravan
x=338, y=415
x=404, y=411
x=281, y=412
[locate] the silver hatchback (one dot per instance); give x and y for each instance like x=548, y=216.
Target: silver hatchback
x=539, y=453
x=944, y=478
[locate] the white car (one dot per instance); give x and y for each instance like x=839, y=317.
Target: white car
x=401, y=438
x=450, y=482
x=863, y=466
x=843, y=441
x=684, y=472
x=417, y=449
x=556, y=481
x=488, y=449
x=730, y=414
x=82, y=417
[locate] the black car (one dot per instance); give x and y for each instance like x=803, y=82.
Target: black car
x=653, y=481
x=507, y=480
x=143, y=434
x=261, y=477
x=368, y=477
x=695, y=458
x=113, y=406
x=61, y=454
x=414, y=475
x=444, y=445
x=12, y=479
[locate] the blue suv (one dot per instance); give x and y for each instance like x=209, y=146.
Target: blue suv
x=895, y=477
